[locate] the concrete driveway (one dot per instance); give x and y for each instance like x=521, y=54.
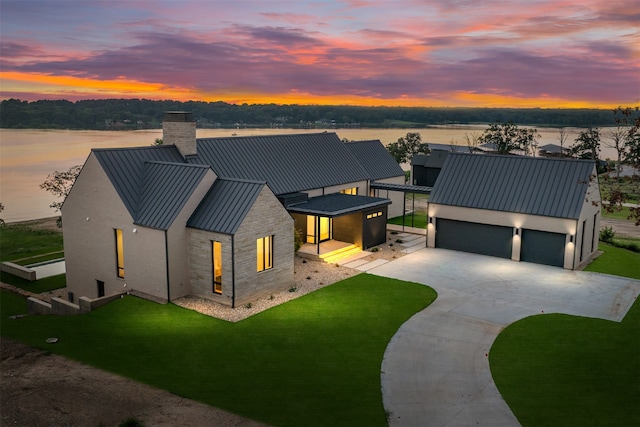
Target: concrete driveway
x=435, y=370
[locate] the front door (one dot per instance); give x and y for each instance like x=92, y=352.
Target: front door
x=319, y=229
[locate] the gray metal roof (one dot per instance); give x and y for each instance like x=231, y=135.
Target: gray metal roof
x=125, y=168
x=288, y=163
x=375, y=159
x=337, y=204
x=165, y=189
x=536, y=186
x=224, y=207
x=435, y=159
x=553, y=148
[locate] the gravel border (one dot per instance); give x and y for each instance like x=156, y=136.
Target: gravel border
x=309, y=276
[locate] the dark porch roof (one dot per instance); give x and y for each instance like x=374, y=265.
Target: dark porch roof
x=337, y=204
x=403, y=188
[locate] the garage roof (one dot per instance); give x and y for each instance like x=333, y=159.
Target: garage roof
x=536, y=186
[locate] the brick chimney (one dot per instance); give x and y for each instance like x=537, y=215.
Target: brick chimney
x=179, y=129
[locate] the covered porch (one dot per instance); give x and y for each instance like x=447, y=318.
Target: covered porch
x=336, y=226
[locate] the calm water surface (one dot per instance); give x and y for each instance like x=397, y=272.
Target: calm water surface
x=28, y=156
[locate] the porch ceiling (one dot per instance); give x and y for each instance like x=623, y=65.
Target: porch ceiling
x=337, y=204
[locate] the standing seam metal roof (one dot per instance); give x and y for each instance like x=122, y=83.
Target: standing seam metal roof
x=225, y=206
x=125, y=169
x=288, y=163
x=166, y=187
x=536, y=186
x=375, y=159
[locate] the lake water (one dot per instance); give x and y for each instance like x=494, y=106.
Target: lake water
x=28, y=156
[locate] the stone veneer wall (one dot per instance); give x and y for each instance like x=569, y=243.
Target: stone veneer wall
x=267, y=217
x=201, y=265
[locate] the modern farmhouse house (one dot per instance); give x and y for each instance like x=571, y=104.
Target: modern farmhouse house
x=540, y=210
x=215, y=217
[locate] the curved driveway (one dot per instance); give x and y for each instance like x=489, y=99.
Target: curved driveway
x=435, y=370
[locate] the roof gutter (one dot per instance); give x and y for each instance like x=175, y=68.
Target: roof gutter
x=166, y=256
x=233, y=271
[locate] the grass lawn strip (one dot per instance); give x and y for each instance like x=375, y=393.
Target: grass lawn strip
x=566, y=370
x=21, y=242
x=312, y=361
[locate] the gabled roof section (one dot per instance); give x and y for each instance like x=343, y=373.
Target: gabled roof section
x=225, y=206
x=375, y=159
x=125, y=168
x=536, y=186
x=288, y=163
x=435, y=159
x=165, y=189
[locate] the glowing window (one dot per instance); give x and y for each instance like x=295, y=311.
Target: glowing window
x=216, y=258
x=374, y=215
x=264, y=246
x=351, y=191
x=119, y=253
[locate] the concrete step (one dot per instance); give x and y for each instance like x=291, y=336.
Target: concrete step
x=335, y=256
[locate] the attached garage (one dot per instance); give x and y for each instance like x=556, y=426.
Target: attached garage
x=543, y=247
x=484, y=239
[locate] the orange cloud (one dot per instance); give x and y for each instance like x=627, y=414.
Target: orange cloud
x=48, y=84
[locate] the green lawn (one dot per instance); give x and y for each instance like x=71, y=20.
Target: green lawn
x=313, y=361
x=23, y=245
x=37, y=286
x=566, y=370
x=419, y=220
x=623, y=213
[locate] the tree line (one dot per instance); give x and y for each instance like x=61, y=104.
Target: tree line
x=126, y=114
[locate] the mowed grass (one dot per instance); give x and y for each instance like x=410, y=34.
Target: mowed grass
x=37, y=286
x=314, y=361
x=24, y=245
x=566, y=370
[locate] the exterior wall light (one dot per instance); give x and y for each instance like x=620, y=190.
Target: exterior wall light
x=571, y=238
x=430, y=220
x=517, y=231
x=135, y=230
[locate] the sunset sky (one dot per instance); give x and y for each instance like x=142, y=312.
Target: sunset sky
x=521, y=53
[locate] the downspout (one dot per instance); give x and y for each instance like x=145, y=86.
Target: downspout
x=233, y=271
x=166, y=256
x=575, y=245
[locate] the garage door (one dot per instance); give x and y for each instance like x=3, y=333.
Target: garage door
x=542, y=247
x=473, y=237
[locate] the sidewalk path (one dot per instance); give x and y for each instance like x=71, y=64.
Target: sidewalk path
x=436, y=370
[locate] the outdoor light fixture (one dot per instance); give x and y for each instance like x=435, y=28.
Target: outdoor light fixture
x=571, y=238
x=517, y=231
x=430, y=220
x=135, y=230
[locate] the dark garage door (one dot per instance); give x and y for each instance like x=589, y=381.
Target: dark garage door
x=542, y=247
x=473, y=237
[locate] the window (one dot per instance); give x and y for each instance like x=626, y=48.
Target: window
x=264, y=247
x=351, y=191
x=119, y=253
x=216, y=260
x=374, y=215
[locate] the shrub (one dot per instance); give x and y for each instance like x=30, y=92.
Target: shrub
x=607, y=234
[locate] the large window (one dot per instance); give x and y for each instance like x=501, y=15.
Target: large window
x=119, y=253
x=217, y=266
x=264, y=247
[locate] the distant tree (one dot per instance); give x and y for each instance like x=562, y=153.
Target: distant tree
x=407, y=146
x=473, y=140
x=158, y=141
x=587, y=144
x=1, y=209
x=628, y=119
x=562, y=138
x=617, y=141
x=507, y=137
x=59, y=184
